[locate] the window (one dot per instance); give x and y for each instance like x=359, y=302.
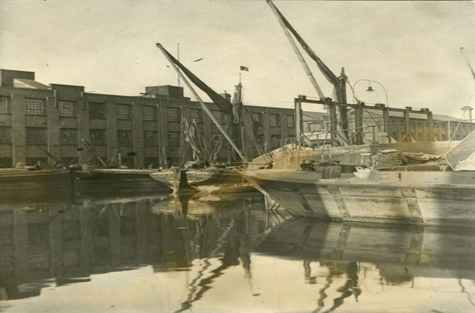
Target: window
x=123, y=112
x=4, y=105
x=150, y=139
x=275, y=141
x=66, y=109
x=196, y=115
x=97, y=110
x=69, y=161
x=257, y=117
x=128, y=161
x=68, y=137
x=34, y=160
x=173, y=139
x=219, y=116
x=5, y=135
x=151, y=162
x=36, y=136
x=273, y=120
x=173, y=115
x=98, y=137
x=290, y=121
x=125, y=138
x=35, y=107
x=149, y=113
x=6, y=162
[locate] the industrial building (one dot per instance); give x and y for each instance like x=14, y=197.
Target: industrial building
x=55, y=122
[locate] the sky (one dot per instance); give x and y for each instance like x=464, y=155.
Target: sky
x=108, y=46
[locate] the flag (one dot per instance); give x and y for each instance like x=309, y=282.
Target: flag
x=244, y=68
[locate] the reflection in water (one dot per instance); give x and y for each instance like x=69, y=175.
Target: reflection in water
x=174, y=254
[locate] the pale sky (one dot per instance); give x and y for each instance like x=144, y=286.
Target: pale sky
x=108, y=46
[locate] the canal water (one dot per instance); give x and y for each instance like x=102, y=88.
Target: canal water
x=222, y=254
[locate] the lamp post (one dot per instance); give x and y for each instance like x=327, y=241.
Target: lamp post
x=370, y=89
x=385, y=111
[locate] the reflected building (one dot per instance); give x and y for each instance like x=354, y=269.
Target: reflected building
x=66, y=243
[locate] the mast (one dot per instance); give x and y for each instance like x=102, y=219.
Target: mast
x=296, y=50
x=202, y=104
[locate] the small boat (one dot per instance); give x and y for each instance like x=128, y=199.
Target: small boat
x=211, y=179
x=117, y=179
x=23, y=183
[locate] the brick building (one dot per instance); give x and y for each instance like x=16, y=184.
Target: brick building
x=37, y=119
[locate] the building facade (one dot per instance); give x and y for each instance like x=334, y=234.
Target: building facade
x=401, y=125
x=66, y=123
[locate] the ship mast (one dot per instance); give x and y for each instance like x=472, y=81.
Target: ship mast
x=202, y=104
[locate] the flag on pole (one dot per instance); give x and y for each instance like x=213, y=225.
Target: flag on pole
x=244, y=68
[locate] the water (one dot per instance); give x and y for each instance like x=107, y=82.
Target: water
x=229, y=254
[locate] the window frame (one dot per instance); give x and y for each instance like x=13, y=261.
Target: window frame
x=5, y=103
x=149, y=117
x=35, y=141
x=61, y=109
x=104, y=138
x=8, y=135
x=170, y=118
x=130, y=139
x=31, y=111
x=147, y=141
x=120, y=115
x=74, y=132
x=96, y=105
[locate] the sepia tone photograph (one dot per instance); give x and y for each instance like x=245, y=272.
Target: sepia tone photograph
x=214, y=156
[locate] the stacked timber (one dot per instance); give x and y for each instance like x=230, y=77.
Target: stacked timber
x=387, y=159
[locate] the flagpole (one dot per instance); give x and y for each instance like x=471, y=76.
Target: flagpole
x=203, y=106
x=297, y=51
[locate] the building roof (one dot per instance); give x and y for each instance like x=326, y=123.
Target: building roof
x=28, y=83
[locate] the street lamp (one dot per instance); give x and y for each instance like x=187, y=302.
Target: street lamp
x=370, y=89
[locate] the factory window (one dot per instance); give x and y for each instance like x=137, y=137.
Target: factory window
x=150, y=139
x=36, y=136
x=219, y=116
x=273, y=120
x=66, y=109
x=149, y=113
x=257, y=117
x=125, y=138
x=69, y=161
x=98, y=137
x=290, y=121
x=151, y=162
x=5, y=135
x=4, y=105
x=173, y=115
x=275, y=141
x=35, y=107
x=5, y=162
x=196, y=115
x=123, y=112
x=173, y=139
x=97, y=110
x=38, y=262
x=68, y=137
